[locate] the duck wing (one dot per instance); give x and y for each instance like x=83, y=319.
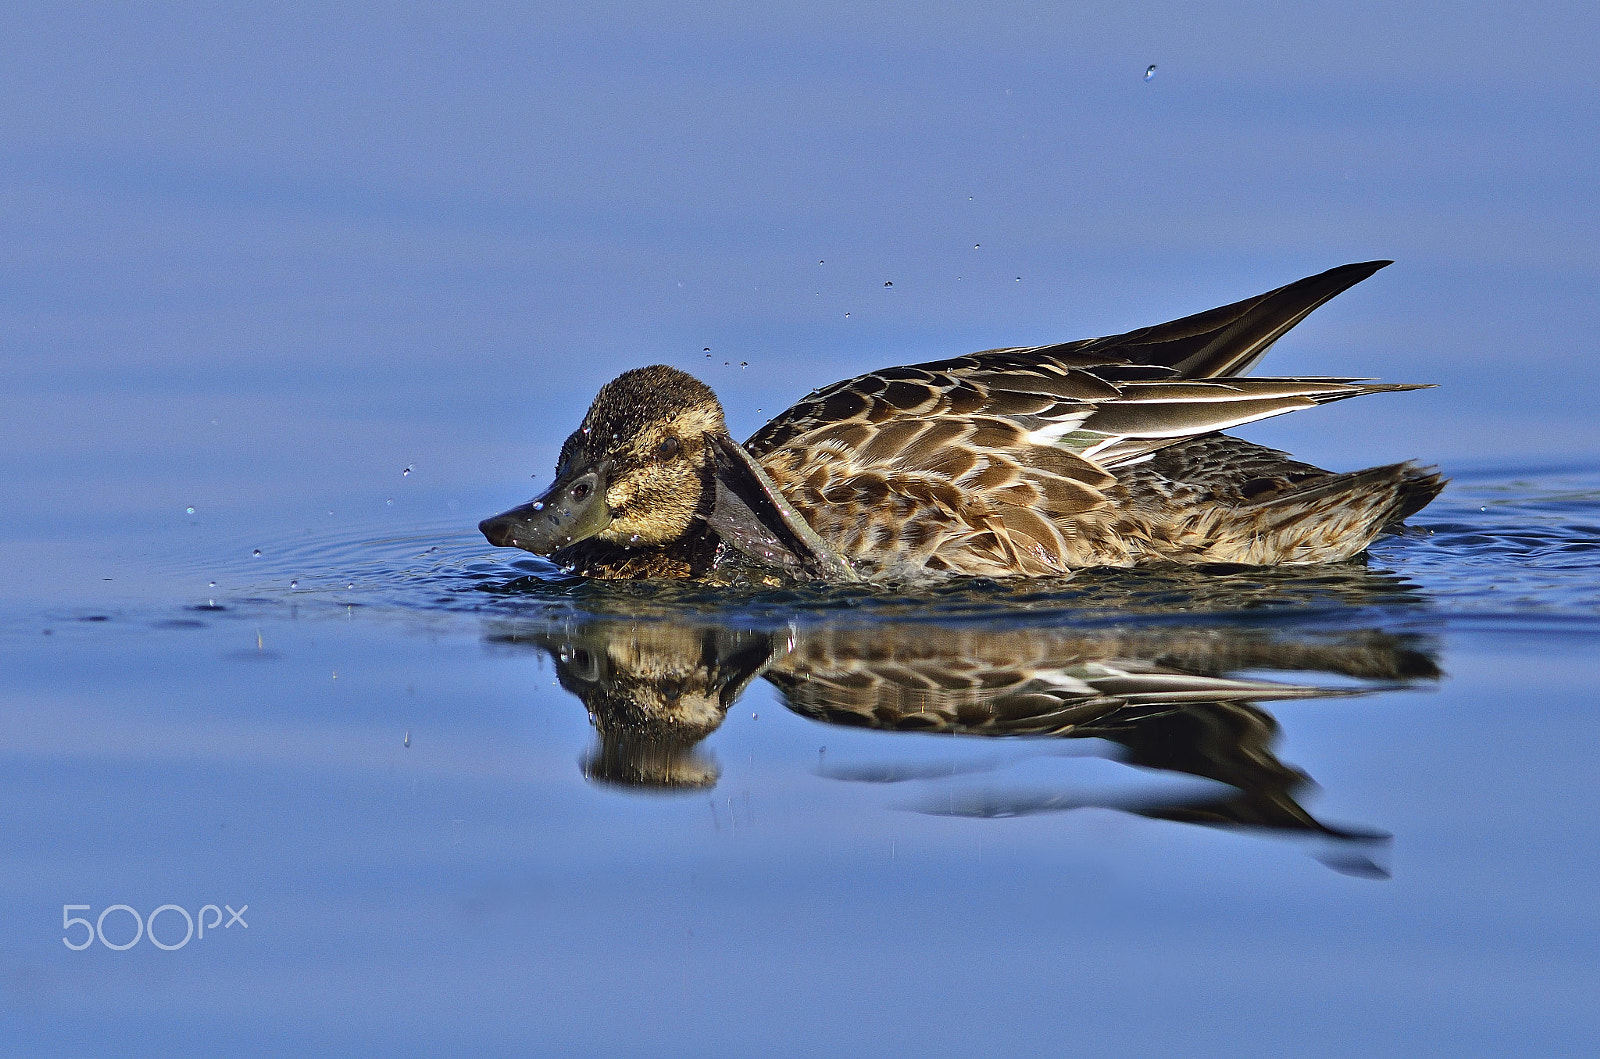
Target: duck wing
x=1089, y=410
x=997, y=451
x=1153, y=385
x=1148, y=416
x=1229, y=340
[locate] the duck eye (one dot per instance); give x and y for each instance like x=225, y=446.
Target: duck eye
x=580, y=490
x=668, y=449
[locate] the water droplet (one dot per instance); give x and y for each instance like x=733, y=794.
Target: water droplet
x=822, y=262
x=213, y=584
x=744, y=364
x=188, y=511
x=886, y=283
x=755, y=716
x=351, y=584
x=211, y=602
x=1019, y=279
x=390, y=501
x=1149, y=71
x=976, y=246
x=407, y=472
x=538, y=506
x=256, y=553
x=847, y=316
x=586, y=431
x=706, y=350
x=294, y=584
x=408, y=731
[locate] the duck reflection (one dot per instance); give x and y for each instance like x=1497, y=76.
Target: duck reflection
x=1172, y=700
x=653, y=692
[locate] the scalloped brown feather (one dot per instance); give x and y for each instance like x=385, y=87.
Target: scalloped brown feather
x=1041, y=460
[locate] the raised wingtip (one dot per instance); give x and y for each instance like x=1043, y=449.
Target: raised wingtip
x=1356, y=271
x=1230, y=340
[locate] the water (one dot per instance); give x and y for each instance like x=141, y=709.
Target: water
x=423, y=796
x=451, y=782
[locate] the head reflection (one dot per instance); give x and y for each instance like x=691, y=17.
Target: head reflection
x=1173, y=700
x=654, y=692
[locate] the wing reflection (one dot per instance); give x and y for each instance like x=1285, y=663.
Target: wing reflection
x=1180, y=702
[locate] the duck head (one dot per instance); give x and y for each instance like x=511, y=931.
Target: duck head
x=634, y=472
x=652, y=463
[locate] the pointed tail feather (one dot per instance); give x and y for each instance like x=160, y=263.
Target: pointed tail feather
x=1399, y=490
x=1230, y=340
x=1327, y=520
x=1420, y=486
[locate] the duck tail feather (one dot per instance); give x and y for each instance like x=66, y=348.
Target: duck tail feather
x=1327, y=519
x=1403, y=488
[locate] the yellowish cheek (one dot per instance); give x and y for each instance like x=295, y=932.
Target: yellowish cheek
x=628, y=528
x=625, y=531
x=656, y=515
x=619, y=495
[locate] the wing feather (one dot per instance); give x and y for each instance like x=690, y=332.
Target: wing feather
x=1017, y=442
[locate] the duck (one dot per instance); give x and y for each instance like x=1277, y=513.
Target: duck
x=1031, y=461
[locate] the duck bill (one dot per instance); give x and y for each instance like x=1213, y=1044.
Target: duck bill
x=571, y=510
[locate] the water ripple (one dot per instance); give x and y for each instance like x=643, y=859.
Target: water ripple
x=1518, y=548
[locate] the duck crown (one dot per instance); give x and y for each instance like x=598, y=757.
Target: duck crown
x=635, y=400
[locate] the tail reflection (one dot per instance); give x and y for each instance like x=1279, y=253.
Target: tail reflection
x=1169, y=700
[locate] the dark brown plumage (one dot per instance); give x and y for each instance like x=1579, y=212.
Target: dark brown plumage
x=1017, y=461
